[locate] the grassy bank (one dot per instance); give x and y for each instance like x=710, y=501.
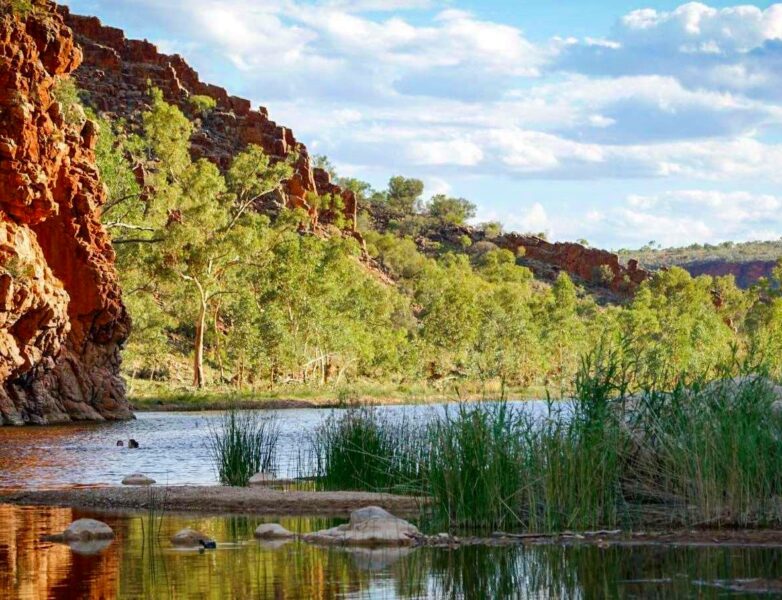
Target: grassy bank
x=147, y=395
x=699, y=454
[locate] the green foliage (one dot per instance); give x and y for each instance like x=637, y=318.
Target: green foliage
x=472, y=466
x=492, y=229
x=202, y=104
x=253, y=303
x=244, y=443
x=404, y=195
x=451, y=211
x=67, y=94
x=20, y=8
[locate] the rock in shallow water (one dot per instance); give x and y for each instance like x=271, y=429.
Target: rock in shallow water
x=273, y=531
x=190, y=538
x=370, y=526
x=138, y=479
x=84, y=530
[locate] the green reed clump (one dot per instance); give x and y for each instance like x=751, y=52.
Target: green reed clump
x=359, y=449
x=712, y=451
x=474, y=459
x=243, y=444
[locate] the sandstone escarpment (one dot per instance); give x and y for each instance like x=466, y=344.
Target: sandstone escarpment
x=591, y=265
x=117, y=73
x=62, y=320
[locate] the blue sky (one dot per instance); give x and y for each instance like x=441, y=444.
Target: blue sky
x=616, y=121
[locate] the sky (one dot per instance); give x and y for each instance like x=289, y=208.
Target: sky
x=616, y=121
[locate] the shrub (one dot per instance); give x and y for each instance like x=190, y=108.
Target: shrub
x=201, y=103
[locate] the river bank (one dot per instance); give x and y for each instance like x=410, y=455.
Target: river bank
x=215, y=500
x=170, y=396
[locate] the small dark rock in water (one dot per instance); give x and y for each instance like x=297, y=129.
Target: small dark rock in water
x=120, y=443
x=132, y=443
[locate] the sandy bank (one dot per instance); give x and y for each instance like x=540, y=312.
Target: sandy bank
x=215, y=499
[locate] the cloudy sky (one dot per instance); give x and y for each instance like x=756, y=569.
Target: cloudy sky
x=618, y=121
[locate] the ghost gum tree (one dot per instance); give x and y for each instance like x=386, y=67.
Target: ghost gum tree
x=200, y=231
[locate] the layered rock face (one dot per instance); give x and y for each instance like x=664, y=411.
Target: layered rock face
x=117, y=73
x=62, y=320
x=591, y=265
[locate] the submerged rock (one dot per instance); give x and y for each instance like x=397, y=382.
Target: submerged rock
x=138, y=479
x=83, y=530
x=190, y=538
x=273, y=531
x=370, y=526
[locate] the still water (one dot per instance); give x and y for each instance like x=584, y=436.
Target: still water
x=174, y=447
x=132, y=567
x=174, y=450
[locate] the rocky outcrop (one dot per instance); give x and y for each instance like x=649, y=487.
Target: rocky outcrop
x=62, y=320
x=117, y=73
x=595, y=268
x=590, y=265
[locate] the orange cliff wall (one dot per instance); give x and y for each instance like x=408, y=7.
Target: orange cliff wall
x=62, y=321
x=116, y=74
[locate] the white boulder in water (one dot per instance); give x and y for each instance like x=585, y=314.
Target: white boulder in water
x=190, y=538
x=273, y=531
x=370, y=526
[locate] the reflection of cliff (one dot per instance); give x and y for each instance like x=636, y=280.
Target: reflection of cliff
x=33, y=569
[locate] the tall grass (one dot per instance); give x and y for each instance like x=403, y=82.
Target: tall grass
x=243, y=444
x=358, y=449
x=473, y=460
x=701, y=453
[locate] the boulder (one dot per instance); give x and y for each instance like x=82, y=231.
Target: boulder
x=273, y=531
x=83, y=530
x=370, y=526
x=138, y=479
x=190, y=538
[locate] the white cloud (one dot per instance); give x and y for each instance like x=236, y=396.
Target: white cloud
x=382, y=87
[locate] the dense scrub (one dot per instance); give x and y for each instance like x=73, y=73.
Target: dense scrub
x=259, y=304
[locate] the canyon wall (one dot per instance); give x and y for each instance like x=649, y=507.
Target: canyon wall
x=746, y=273
x=116, y=75
x=62, y=321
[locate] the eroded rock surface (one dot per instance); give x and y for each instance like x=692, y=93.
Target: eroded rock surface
x=62, y=320
x=273, y=531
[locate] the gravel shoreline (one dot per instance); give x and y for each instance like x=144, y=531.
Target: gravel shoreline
x=215, y=499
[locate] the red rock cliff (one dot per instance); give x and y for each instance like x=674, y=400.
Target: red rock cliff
x=117, y=72
x=62, y=320
x=591, y=265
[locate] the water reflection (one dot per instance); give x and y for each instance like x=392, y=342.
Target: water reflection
x=132, y=567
